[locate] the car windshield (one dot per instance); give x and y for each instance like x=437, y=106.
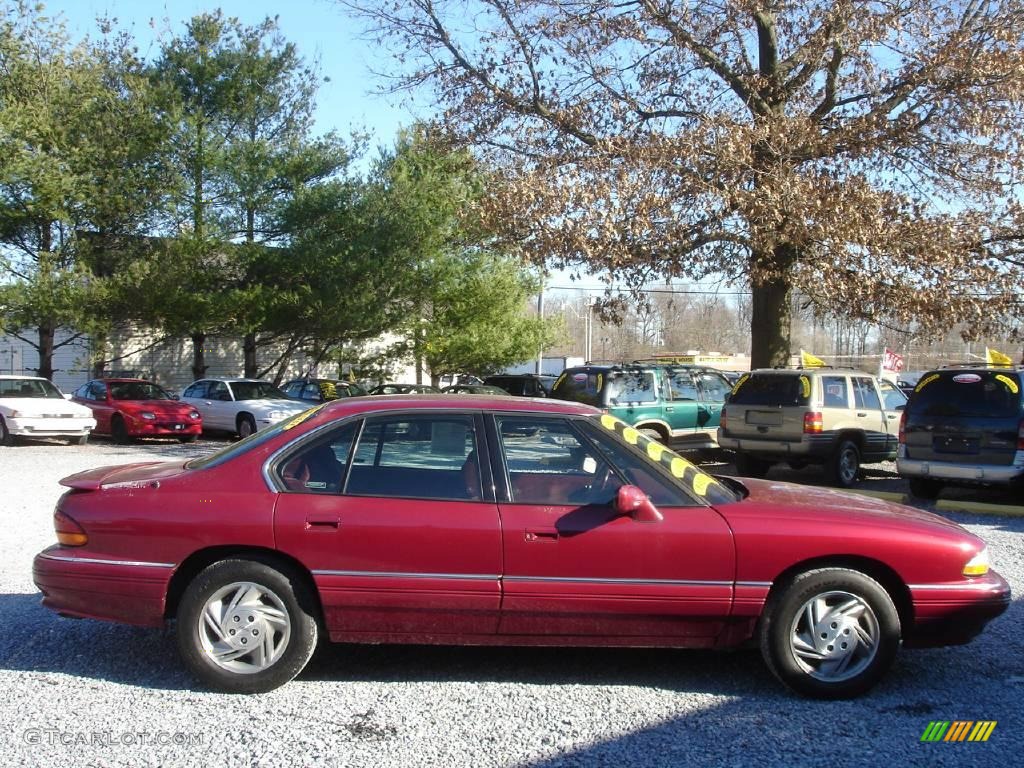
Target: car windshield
x=771, y=389
x=983, y=394
x=692, y=477
x=137, y=390
x=257, y=390
x=29, y=388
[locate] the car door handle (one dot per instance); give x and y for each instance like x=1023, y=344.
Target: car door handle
x=669, y=409
x=861, y=415
x=545, y=534
x=323, y=522
x=891, y=416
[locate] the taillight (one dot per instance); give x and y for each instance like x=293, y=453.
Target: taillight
x=813, y=424
x=69, y=533
x=1020, y=436
x=903, y=428
x=721, y=420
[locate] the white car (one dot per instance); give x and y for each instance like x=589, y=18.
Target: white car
x=242, y=406
x=31, y=406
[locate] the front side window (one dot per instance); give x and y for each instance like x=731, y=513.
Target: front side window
x=419, y=457
x=97, y=391
x=196, y=390
x=715, y=388
x=548, y=463
x=892, y=398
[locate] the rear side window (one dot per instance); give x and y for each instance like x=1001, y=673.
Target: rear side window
x=773, y=389
x=864, y=394
x=982, y=394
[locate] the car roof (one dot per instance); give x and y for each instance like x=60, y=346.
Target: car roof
x=354, y=405
x=16, y=377
x=230, y=379
x=805, y=371
x=118, y=380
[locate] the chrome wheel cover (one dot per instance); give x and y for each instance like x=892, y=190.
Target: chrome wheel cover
x=834, y=636
x=244, y=628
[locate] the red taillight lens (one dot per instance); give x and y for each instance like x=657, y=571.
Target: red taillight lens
x=903, y=428
x=69, y=533
x=813, y=424
x=721, y=420
x=1020, y=436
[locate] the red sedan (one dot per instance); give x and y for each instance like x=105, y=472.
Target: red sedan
x=503, y=521
x=128, y=408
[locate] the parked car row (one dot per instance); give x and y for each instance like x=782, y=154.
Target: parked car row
x=962, y=425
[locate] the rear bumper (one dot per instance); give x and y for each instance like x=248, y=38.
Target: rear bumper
x=962, y=472
x=953, y=614
x=809, y=447
x=87, y=587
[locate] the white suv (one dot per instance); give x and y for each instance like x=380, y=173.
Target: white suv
x=241, y=406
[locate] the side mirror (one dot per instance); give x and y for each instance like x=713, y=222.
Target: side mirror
x=632, y=501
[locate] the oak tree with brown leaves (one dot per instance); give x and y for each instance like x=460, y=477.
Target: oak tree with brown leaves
x=866, y=154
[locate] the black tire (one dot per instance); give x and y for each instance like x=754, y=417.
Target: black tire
x=925, y=488
x=871, y=628
x=282, y=594
x=246, y=426
x=797, y=465
x=118, y=430
x=188, y=438
x=748, y=466
x=6, y=438
x=843, y=468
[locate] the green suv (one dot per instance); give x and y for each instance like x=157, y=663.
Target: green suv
x=836, y=418
x=671, y=403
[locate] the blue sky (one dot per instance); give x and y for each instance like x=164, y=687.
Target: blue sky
x=319, y=28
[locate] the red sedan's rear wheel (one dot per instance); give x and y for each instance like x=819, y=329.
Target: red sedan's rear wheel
x=246, y=627
x=830, y=633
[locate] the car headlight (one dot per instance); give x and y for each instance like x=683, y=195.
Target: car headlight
x=194, y=415
x=978, y=565
x=148, y=415
x=278, y=415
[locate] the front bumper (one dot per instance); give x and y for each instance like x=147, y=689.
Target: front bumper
x=144, y=428
x=954, y=613
x=50, y=426
x=84, y=586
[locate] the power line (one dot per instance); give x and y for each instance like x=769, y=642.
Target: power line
x=648, y=290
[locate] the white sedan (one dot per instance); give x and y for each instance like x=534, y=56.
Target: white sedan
x=242, y=406
x=31, y=406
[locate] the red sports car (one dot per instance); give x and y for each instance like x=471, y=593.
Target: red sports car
x=128, y=408
x=503, y=521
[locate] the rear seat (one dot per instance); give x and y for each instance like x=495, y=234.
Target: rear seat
x=404, y=481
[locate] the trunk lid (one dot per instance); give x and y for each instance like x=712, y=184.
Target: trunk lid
x=124, y=475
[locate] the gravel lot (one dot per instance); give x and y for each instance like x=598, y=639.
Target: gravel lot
x=91, y=693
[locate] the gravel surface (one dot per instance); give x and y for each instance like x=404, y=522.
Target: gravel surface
x=92, y=693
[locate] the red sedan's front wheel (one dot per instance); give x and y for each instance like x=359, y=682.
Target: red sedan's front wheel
x=830, y=633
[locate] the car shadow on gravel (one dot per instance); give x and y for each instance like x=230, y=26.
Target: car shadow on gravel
x=98, y=650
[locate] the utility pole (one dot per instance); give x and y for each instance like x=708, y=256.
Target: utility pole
x=540, y=315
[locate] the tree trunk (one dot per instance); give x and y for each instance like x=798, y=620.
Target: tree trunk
x=249, y=350
x=198, y=355
x=771, y=313
x=46, y=334
x=99, y=355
